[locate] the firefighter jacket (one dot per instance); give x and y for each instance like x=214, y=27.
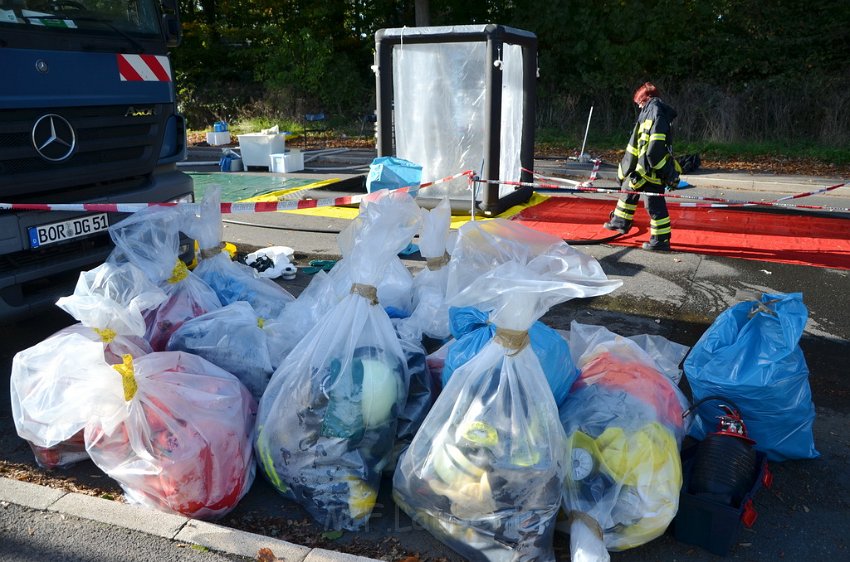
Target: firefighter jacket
x=648, y=163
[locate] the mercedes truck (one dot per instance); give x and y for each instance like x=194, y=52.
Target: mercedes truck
x=87, y=115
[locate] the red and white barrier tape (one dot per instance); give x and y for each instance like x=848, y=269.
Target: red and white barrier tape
x=226, y=208
x=587, y=183
x=272, y=206
x=717, y=201
x=721, y=203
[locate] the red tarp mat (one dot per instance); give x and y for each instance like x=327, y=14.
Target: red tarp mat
x=801, y=239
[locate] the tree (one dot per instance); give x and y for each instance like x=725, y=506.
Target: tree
x=423, y=13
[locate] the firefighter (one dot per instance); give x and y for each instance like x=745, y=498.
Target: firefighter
x=648, y=166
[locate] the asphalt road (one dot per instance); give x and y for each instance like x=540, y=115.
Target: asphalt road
x=32, y=535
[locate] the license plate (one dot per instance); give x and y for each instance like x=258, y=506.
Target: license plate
x=66, y=230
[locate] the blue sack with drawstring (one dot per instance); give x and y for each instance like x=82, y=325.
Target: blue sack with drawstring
x=751, y=356
x=389, y=172
x=472, y=331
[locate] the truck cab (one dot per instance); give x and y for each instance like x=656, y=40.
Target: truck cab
x=87, y=115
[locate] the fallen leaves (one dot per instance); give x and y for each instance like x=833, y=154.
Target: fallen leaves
x=266, y=555
x=332, y=535
x=42, y=477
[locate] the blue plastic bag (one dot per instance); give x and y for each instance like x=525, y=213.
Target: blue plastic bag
x=472, y=331
x=389, y=172
x=230, y=162
x=751, y=356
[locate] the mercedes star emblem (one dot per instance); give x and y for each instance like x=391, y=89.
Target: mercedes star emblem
x=53, y=137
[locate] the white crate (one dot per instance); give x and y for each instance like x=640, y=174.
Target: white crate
x=288, y=162
x=216, y=139
x=256, y=148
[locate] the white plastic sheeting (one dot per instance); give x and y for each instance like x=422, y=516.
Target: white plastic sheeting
x=511, y=124
x=440, y=111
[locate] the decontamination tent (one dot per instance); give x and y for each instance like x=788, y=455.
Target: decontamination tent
x=457, y=98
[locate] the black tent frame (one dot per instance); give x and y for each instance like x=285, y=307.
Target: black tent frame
x=495, y=36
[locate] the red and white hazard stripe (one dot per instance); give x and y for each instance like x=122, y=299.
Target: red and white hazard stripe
x=226, y=208
x=596, y=163
x=144, y=68
x=467, y=173
x=716, y=201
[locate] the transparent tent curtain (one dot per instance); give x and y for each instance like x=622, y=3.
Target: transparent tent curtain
x=439, y=112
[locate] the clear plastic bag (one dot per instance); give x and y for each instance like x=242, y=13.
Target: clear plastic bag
x=395, y=287
x=187, y=298
x=231, y=337
x=484, y=245
x=49, y=406
x=664, y=354
x=150, y=240
x=109, y=302
x=422, y=390
x=484, y=473
x=752, y=356
x=113, y=298
x=430, y=312
x=472, y=330
x=395, y=282
x=327, y=421
x=298, y=317
x=231, y=281
x=624, y=426
x=175, y=432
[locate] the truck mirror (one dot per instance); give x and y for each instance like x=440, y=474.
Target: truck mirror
x=171, y=29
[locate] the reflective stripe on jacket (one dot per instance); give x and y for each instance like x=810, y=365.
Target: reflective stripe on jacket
x=649, y=154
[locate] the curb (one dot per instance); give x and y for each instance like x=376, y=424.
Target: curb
x=164, y=525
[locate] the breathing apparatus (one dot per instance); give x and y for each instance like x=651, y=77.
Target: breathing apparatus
x=725, y=465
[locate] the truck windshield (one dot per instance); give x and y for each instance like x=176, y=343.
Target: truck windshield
x=130, y=19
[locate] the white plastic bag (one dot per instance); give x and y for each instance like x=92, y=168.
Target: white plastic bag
x=48, y=381
x=327, y=421
x=150, y=240
x=484, y=245
x=175, y=431
x=484, y=472
x=113, y=298
x=430, y=311
x=278, y=256
x=395, y=283
x=53, y=390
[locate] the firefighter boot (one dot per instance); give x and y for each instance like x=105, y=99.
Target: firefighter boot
x=617, y=224
x=657, y=244
x=659, y=227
